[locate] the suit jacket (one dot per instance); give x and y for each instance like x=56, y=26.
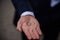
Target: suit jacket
x=41, y=8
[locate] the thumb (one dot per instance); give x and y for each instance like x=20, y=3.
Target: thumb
x=19, y=27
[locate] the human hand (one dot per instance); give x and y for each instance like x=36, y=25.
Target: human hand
x=30, y=26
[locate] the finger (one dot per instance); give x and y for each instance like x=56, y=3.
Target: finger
x=26, y=31
x=39, y=30
x=32, y=34
x=36, y=34
x=27, y=34
x=36, y=26
x=19, y=24
x=19, y=27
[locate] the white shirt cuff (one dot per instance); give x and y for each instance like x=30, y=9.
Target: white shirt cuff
x=27, y=13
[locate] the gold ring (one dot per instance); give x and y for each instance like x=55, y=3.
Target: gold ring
x=28, y=23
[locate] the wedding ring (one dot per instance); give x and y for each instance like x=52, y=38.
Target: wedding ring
x=28, y=23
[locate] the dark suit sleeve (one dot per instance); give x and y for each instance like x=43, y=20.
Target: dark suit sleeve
x=20, y=7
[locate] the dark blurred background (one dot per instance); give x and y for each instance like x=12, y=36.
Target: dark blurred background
x=7, y=29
